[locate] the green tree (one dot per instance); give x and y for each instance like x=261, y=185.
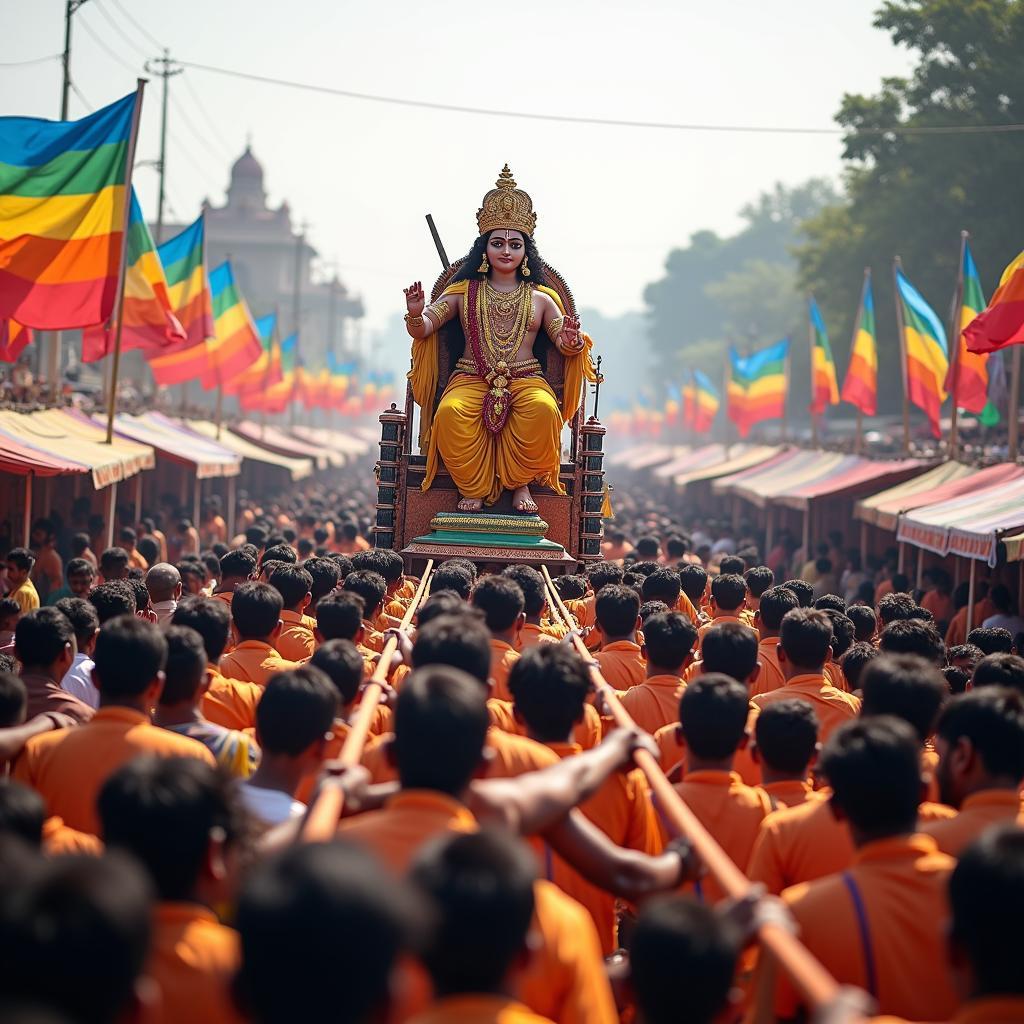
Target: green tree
x=912, y=184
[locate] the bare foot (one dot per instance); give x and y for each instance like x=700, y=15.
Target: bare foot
x=470, y=505
x=522, y=500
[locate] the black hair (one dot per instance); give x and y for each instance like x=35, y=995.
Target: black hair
x=843, y=632
x=649, y=608
x=993, y=720
x=79, y=567
x=616, y=608
x=992, y=640
x=339, y=616
x=481, y=886
x=998, y=670
x=454, y=578
x=163, y=810
x=787, y=734
x=41, y=637
x=830, y=603
x=210, y=618
x=731, y=565
x=444, y=602
x=601, y=574
x=662, y=585
x=501, y=600
x=854, y=662
x=113, y=560
x=729, y=648
x=865, y=622
x=256, y=610
x=441, y=724
x=669, y=638
x=13, y=699
x=469, y=268
x=22, y=812
x=186, y=665
x=912, y=636
x=970, y=653
x=343, y=665
x=803, y=590
x=805, y=637
x=112, y=599
x=905, y=686
x=759, y=579
x=571, y=587
x=713, y=715
x=775, y=602
x=729, y=591
x=279, y=553
x=82, y=616
x=549, y=685
x=297, y=708
x=531, y=583
x=293, y=583
x=895, y=606
x=237, y=565
x=693, y=579
x=129, y=654
x=369, y=585
x=324, y=573
x=459, y=640
x=874, y=768
x=22, y=558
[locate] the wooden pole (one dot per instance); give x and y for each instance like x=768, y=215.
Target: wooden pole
x=896, y=270
x=809, y=976
x=954, y=355
x=111, y=511
x=321, y=821
x=129, y=162
x=970, y=595
x=1014, y=411
x=26, y=527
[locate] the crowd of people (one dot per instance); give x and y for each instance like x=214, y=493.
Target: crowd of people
x=172, y=707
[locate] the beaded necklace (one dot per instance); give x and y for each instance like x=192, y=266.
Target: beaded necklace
x=504, y=318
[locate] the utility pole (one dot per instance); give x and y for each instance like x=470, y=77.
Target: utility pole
x=162, y=67
x=300, y=243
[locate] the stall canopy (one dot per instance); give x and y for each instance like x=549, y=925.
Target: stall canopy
x=347, y=444
x=848, y=477
x=644, y=456
x=941, y=483
x=741, y=457
x=761, y=484
x=21, y=460
x=686, y=457
x=62, y=435
x=206, y=458
x=278, y=441
x=971, y=525
x=297, y=469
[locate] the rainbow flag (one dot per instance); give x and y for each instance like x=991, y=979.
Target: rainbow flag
x=14, y=338
x=967, y=379
x=860, y=388
x=148, y=317
x=824, y=387
x=183, y=258
x=254, y=382
x=673, y=404
x=236, y=345
x=279, y=395
x=62, y=207
x=705, y=402
x=689, y=398
x=341, y=376
x=757, y=386
x=927, y=354
x=1002, y=322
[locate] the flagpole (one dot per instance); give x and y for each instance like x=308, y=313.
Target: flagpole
x=1014, y=424
x=897, y=264
x=859, y=443
x=129, y=162
x=785, y=404
x=810, y=337
x=954, y=355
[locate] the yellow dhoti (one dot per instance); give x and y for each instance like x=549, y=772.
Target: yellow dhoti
x=482, y=464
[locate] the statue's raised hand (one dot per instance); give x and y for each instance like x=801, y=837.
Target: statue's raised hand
x=571, y=338
x=414, y=301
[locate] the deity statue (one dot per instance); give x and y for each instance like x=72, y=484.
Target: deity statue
x=498, y=425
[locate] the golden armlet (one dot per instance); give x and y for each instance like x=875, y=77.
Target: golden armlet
x=554, y=327
x=438, y=313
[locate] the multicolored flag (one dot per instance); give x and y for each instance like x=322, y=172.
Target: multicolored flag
x=757, y=386
x=279, y=395
x=14, y=338
x=254, y=383
x=967, y=380
x=926, y=351
x=689, y=398
x=148, y=320
x=860, y=388
x=341, y=376
x=183, y=258
x=997, y=391
x=1002, y=322
x=824, y=386
x=705, y=402
x=62, y=207
x=236, y=345
x=673, y=404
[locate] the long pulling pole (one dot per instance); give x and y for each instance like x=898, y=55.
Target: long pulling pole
x=321, y=822
x=809, y=976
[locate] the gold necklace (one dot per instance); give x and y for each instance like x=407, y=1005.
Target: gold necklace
x=504, y=318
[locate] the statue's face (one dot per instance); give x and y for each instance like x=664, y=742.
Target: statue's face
x=505, y=250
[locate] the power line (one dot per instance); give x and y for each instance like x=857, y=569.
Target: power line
x=78, y=92
x=606, y=122
x=141, y=28
x=112, y=22
x=103, y=46
x=214, y=128
x=26, y=63
x=204, y=140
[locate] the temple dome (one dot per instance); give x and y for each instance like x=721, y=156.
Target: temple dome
x=247, y=166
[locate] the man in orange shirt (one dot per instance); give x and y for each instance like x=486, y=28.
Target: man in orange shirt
x=441, y=724
x=389, y=565
x=804, y=646
x=256, y=618
x=183, y=822
x=694, y=581
x=236, y=567
x=913, y=636
x=772, y=607
x=535, y=605
x=550, y=686
x=69, y=767
x=481, y=888
x=728, y=600
x=320, y=923
x=617, y=611
x=759, y=579
x=980, y=743
x=669, y=639
x=786, y=747
x=295, y=642
x=339, y=616
x=888, y=904
x=370, y=586
x=599, y=575
x=665, y=585
x=502, y=603
x=956, y=633
x=227, y=702
x=713, y=720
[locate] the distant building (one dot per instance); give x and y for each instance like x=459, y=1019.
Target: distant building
x=265, y=251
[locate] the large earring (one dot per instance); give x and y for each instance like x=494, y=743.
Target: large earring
x=526, y=266
x=484, y=266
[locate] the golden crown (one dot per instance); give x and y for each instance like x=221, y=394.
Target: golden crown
x=506, y=207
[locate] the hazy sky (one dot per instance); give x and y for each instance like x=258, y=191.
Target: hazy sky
x=611, y=201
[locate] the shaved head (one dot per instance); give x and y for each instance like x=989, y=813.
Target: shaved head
x=163, y=581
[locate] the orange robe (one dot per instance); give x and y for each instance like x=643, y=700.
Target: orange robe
x=832, y=706
x=655, y=702
x=621, y=664
x=254, y=661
